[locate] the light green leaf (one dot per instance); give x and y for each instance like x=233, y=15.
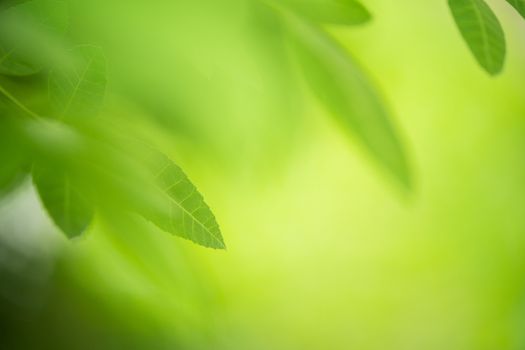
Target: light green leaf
x=346, y=92
x=28, y=36
x=482, y=31
x=519, y=5
x=189, y=216
x=343, y=12
x=78, y=92
x=65, y=204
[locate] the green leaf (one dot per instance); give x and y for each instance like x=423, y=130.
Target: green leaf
x=482, y=31
x=346, y=92
x=11, y=175
x=13, y=154
x=78, y=92
x=28, y=36
x=65, y=204
x=341, y=12
x=189, y=216
x=519, y=5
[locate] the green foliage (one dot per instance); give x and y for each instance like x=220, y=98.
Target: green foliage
x=77, y=92
x=451, y=256
x=80, y=163
x=482, y=31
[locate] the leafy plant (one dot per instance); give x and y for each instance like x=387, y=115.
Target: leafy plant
x=482, y=31
x=82, y=164
x=79, y=165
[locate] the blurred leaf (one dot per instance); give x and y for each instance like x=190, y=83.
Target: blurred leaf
x=346, y=92
x=11, y=176
x=482, y=31
x=27, y=36
x=189, y=216
x=78, y=92
x=64, y=203
x=56, y=147
x=343, y=12
x=13, y=154
x=519, y=5
x=53, y=142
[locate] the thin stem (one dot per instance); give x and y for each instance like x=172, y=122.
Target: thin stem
x=18, y=103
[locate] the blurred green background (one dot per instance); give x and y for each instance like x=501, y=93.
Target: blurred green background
x=324, y=250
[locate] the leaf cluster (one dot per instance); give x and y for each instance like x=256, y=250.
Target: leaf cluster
x=50, y=128
x=51, y=97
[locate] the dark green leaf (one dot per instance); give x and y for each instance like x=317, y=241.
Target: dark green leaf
x=482, y=31
x=28, y=36
x=65, y=204
x=13, y=155
x=519, y=5
x=346, y=92
x=78, y=92
x=343, y=12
